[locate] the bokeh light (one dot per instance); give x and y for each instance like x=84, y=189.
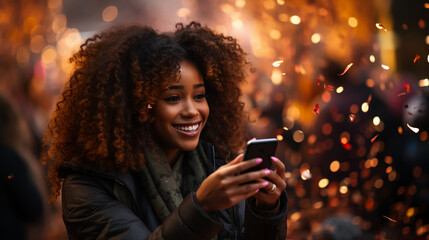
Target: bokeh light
x=315, y=38
x=323, y=183
x=365, y=107
x=295, y=19
x=110, y=13
x=376, y=120
x=183, y=12
x=353, y=22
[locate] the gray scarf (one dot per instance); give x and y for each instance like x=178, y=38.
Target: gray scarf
x=166, y=187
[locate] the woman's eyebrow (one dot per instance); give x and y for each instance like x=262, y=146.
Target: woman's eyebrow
x=199, y=85
x=173, y=87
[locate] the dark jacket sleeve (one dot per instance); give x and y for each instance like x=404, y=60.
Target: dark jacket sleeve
x=257, y=226
x=91, y=212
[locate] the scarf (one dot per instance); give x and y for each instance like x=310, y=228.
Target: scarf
x=166, y=187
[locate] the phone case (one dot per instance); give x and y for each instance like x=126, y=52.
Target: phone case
x=261, y=148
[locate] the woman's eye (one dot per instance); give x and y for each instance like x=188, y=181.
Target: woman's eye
x=200, y=96
x=172, y=99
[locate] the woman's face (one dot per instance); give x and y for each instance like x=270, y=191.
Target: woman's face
x=181, y=112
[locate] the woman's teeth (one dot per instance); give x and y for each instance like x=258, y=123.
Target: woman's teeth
x=187, y=128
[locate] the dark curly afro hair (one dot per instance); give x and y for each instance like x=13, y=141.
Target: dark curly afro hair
x=102, y=120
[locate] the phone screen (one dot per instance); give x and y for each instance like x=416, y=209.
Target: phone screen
x=261, y=148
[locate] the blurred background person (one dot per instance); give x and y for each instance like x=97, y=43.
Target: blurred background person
x=23, y=194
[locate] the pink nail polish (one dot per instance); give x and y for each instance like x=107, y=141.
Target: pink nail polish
x=274, y=159
x=264, y=184
x=258, y=160
x=267, y=171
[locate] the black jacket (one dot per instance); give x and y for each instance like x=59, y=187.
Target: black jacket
x=100, y=205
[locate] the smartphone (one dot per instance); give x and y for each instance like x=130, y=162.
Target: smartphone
x=261, y=148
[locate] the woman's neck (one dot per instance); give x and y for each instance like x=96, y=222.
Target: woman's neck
x=172, y=156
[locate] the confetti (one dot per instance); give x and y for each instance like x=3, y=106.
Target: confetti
x=417, y=58
x=277, y=63
x=414, y=129
x=149, y=106
x=346, y=69
x=347, y=146
x=329, y=87
x=407, y=90
x=385, y=67
x=316, y=109
x=407, y=87
x=380, y=26
x=369, y=98
x=10, y=177
x=285, y=128
x=401, y=94
x=390, y=219
x=373, y=139
x=352, y=117
x=318, y=81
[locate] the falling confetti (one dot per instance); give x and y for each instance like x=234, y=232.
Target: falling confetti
x=407, y=90
x=380, y=26
x=347, y=146
x=414, y=129
x=277, y=63
x=390, y=219
x=352, y=117
x=369, y=98
x=346, y=69
x=329, y=87
x=407, y=87
x=385, y=67
x=149, y=106
x=373, y=139
x=316, y=109
x=417, y=58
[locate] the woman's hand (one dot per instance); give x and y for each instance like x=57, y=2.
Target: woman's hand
x=226, y=187
x=268, y=196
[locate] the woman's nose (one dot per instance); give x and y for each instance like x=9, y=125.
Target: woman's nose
x=189, y=108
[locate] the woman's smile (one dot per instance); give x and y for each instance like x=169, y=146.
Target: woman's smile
x=190, y=129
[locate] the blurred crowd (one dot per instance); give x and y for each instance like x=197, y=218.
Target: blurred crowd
x=342, y=84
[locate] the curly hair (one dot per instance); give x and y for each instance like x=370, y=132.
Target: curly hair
x=102, y=120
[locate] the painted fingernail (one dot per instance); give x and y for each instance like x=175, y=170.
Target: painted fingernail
x=274, y=159
x=267, y=171
x=258, y=160
x=264, y=184
x=257, y=190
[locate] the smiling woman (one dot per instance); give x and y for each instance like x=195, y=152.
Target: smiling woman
x=181, y=112
x=145, y=139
